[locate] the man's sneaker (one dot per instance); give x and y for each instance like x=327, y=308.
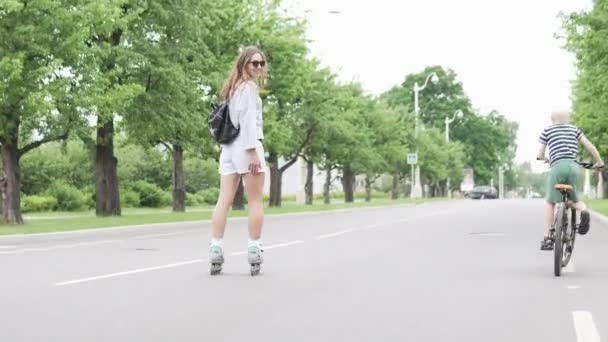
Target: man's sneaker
x=546, y=244
x=583, y=227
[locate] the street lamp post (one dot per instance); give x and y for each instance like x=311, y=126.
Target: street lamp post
x=417, y=188
x=501, y=182
x=448, y=121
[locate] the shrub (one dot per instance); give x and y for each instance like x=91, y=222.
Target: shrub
x=209, y=195
x=69, y=198
x=130, y=198
x=35, y=203
x=150, y=195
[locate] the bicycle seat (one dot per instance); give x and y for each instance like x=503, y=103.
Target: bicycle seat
x=563, y=187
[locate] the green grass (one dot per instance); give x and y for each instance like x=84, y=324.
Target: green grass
x=56, y=222
x=601, y=206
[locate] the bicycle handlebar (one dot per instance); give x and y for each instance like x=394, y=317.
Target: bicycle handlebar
x=584, y=164
x=589, y=165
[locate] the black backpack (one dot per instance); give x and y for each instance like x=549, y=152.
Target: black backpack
x=219, y=124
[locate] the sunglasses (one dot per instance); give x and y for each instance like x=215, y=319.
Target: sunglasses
x=258, y=64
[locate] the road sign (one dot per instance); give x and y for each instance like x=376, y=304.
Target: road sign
x=412, y=158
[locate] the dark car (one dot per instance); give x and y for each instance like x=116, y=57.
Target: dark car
x=484, y=192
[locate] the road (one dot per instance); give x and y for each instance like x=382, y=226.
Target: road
x=455, y=270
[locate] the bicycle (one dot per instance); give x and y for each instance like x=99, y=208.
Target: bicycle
x=565, y=226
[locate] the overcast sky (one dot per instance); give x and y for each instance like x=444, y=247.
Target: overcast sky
x=504, y=52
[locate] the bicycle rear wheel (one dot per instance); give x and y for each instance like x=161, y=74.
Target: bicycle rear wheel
x=570, y=238
x=560, y=229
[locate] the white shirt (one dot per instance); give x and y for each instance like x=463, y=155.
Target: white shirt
x=245, y=108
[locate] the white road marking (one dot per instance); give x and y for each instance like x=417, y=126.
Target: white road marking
x=586, y=331
x=410, y=219
x=378, y=225
x=490, y=234
x=119, y=274
x=154, y=236
x=52, y=248
x=327, y=236
x=286, y=244
x=573, y=287
x=82, y=244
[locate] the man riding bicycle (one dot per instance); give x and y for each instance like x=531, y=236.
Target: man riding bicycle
x=562, y=139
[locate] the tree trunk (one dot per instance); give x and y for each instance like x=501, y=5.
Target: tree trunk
x=326, y=187
x=107, y=193
x=275, y=180
x=10, y=183
x=368, y=189
x=347, y=184
x=309, y=182
x=239, y=198
x=605, y=183
x=2, y=189
x=423, y=187
x=395, y=189
x=179, y=180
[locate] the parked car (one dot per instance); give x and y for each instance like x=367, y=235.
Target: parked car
x=533, y=194
x=484, y=192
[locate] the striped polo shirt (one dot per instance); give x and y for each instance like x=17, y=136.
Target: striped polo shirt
x=562, y=140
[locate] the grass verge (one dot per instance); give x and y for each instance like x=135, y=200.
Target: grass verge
x=58, y=222
x=600, y=206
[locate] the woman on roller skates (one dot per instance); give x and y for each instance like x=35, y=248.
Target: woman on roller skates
x=242, y=157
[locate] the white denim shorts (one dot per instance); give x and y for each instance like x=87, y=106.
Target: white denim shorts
x=234, y=159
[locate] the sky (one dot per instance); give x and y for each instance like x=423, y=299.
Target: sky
x=505, y=53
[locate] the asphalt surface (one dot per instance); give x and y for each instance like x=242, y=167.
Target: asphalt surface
x=444, y=271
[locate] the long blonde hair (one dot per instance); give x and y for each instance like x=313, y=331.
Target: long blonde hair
x=239, y=73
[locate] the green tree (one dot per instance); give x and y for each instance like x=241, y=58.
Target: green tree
x=586, y=38
x=344, y=138
x=440, y=160
x=312, y=117
x=436, y=101
x=170, y=111
x=41, y=46
x=489, y=140
x=111, y=86
x=288, y=123
x=384, y=145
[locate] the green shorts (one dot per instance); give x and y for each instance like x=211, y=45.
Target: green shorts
x=563, y=172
